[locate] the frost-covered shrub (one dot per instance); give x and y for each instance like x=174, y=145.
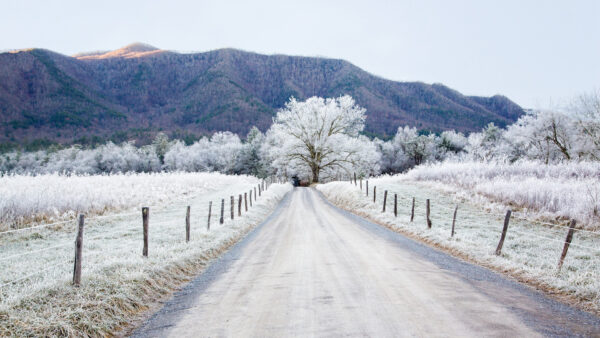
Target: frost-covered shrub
x=108, y=158
x=566, y=190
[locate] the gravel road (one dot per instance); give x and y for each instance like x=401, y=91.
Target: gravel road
x=312, y=269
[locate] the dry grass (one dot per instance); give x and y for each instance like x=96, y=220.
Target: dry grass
x=102, y=306
x=119, y=287
x=531, y=258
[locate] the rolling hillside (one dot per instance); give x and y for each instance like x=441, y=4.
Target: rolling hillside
x=135, y=91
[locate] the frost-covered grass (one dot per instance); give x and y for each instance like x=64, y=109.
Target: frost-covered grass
x=531, y=250
x=118, y=284
x=548, y=192
x=26, y=199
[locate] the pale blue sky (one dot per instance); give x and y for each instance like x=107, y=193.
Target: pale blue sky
x=537, y=53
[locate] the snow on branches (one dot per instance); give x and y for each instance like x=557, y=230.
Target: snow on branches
x=319, y=139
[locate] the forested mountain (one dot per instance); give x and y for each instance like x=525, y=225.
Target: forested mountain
x=137, y=90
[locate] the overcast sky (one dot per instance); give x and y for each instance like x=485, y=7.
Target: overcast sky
x=538, y=53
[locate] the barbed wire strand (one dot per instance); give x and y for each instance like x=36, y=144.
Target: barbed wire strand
x=34, y=274
x=35, y=251
x=556, y=225
x=36, y=227
x=556, y=240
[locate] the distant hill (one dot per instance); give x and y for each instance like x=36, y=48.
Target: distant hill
x=135, y=91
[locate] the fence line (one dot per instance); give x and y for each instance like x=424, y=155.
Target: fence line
x=162, y=212
x=435, y=207
x=74, y=220
x=597, y=233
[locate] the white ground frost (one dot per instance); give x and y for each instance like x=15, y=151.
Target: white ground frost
x=36, y=296
x=531, y=250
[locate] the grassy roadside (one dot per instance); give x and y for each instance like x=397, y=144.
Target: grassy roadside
x=116, y=297
x=531, y=260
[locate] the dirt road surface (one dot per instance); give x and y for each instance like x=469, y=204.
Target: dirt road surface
x=312, y=269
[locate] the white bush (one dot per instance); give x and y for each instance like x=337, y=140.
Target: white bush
x=562, y=190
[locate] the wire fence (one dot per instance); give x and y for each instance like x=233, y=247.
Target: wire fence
x=409, y=208
x=172, y=224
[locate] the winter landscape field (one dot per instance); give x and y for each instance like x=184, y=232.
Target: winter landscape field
x=535, y=237
x=282, y=169
x=36, y=297
x=222, y=180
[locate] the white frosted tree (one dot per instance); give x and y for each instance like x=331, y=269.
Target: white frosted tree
x=248, y=159
x=586, y=109
x=488, y=144
x=318, y=136
x=413, y=149
x=161, y=146
x=225, y=147
x=541, y=135
x=452, y=142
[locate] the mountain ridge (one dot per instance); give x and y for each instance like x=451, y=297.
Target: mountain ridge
x=138, y=90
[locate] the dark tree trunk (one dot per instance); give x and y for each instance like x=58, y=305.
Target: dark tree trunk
x=315, y=174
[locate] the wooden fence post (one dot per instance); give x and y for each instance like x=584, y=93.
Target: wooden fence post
x=145, y=216
x=395, y=205
x=374, y=193
x=221, y=220
x=232, y=208
x=240, y=205
x=454, y=221
x=209, y=213
x=412, y=210
x=567, y=243
x=384, y=200
x=250, y=198
x=428, y=212
x=78, y=252
x=501, y=243
x=246, y=201
x=367, y=186
x=187, y=224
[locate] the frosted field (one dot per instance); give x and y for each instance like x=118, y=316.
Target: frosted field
x=36, y=296
x=546, y=192
x=531, y=250
x=49, y=198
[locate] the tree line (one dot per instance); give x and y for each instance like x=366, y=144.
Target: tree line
x=320, y=140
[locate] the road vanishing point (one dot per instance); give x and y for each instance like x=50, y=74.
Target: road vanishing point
x=314, y=270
